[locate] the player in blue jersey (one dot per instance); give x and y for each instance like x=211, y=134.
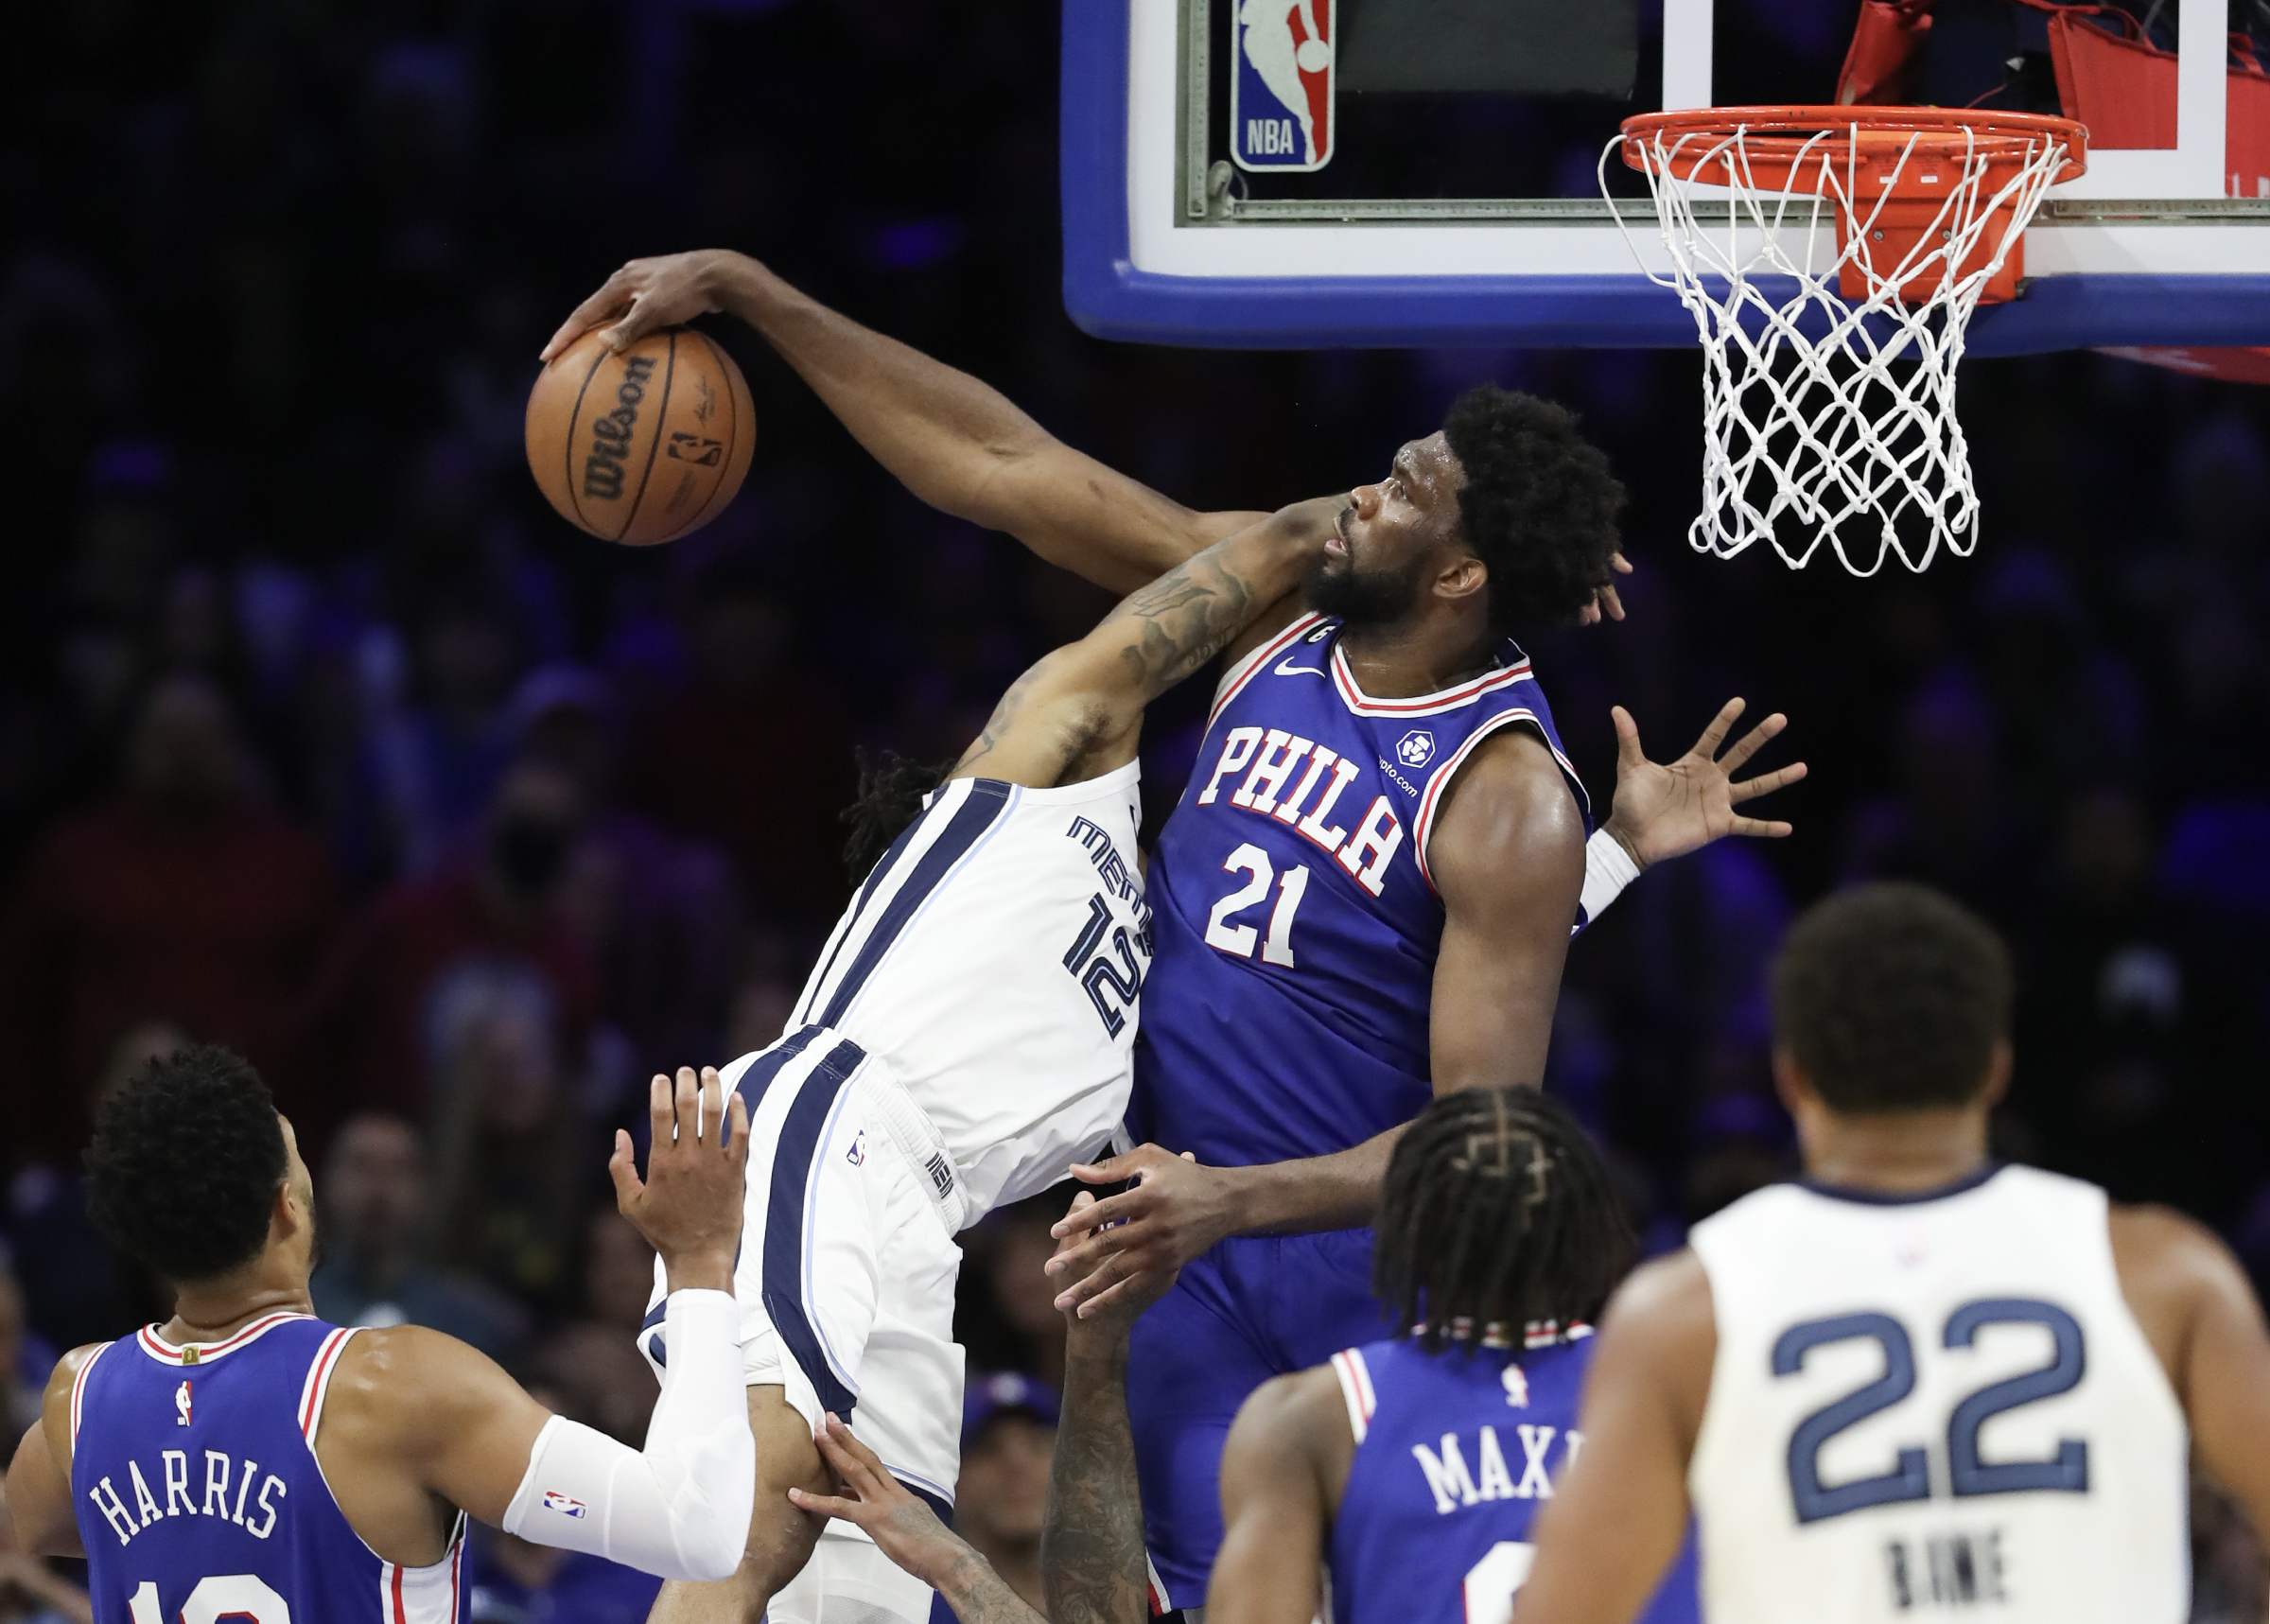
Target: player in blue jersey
x=245, y=1461
x=1366, y=896
x=1407, y=1471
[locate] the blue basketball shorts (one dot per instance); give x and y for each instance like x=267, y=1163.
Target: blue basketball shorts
x=1255, y=1306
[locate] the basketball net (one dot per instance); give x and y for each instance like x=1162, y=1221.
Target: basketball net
x=1828, y=382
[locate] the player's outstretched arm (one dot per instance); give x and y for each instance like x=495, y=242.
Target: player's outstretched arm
x=414, y=1416
x=1283, y=1470
x=1616, y=1519
x=954, y=443
x=1078, y=710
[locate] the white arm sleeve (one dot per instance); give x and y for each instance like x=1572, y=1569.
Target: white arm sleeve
x=1608, y=868
x=680, y=1510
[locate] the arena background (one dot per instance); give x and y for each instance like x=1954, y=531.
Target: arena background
x=323, y=737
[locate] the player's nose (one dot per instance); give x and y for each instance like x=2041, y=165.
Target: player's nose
x=1366, y=499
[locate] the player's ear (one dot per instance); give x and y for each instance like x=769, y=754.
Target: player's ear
x=1792, y=1085
x=1462, y=576
x=1998, y=1075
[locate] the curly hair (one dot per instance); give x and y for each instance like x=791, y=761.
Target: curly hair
x=186, y=1158
x=891, y=791
x=1539, y=506
x=1497, y=1214
x=1891, y=998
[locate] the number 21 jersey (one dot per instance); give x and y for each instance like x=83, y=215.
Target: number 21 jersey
x=1936, y=1406
x=1295, y=917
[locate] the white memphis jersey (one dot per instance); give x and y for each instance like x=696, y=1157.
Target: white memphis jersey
x=1936, y=1408
x=994, y=959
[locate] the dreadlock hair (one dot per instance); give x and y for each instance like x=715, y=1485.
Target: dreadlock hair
x=1497, y=1215
x=1539, y=505
x=891, y=791
x=186, y=1158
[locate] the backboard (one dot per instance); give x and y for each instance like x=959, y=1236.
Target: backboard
x=1381, y=213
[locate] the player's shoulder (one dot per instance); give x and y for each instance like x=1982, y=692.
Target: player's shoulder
x=1293, y=1414
x=1507, y=794
x=2161, y=1254
x=406, y=1379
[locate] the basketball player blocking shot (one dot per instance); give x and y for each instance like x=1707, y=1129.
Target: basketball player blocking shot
x=1915, y=1383
x=246, y=1461
x=1367, y=893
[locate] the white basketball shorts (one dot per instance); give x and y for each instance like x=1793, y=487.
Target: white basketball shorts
x=847, y=1261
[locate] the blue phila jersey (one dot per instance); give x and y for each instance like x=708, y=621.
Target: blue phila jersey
x=1456, y=1452
x=1296, y=920
x=199, y=1496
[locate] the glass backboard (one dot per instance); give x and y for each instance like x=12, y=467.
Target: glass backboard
x=1296, y=173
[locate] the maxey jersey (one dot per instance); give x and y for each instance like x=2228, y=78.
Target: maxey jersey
x=1297, y=921
x=1455, y=1454
x=198, y=1498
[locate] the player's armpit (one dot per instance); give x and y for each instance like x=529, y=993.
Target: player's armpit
x=1618, y=1517
x=412, y=1414
x=2201, y=1315
x=1278, y=1498
x=1507, y=854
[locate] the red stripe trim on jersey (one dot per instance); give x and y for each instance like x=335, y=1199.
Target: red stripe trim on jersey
x=78, y=1387
x=1301, y=627
x=1422, y=703
x=1355, y=1391
x=157, y=1348
x=1422, y=826
x=400, y=1615
x=319, y=1377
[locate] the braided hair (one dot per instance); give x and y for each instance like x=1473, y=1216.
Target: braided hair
x=1498, y=1214
x=891, y=792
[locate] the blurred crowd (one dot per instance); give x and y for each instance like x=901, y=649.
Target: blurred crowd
x=321, y=737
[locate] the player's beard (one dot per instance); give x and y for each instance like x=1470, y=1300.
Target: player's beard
x=1363, y=597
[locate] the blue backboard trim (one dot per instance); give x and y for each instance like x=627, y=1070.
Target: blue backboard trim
x=1108, y=296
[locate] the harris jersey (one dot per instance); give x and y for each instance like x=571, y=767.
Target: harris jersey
x=200, y=1498
x=1455, y=1454
x=1934, y=1406
x=994, y=959
x=1297, y=921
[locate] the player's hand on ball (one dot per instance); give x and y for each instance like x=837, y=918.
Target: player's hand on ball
x=689, y=1205
x=1177, y=1211
x=900, y=1524
x=1663, y=811
x=645, y=296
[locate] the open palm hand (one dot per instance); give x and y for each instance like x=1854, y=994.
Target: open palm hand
x=1667, y=810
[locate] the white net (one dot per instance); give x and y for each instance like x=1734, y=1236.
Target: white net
x=1827, y=419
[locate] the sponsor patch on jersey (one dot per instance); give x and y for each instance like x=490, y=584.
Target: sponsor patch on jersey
x=1415, y=748
x=181, y=1404
x=1517, y=1387
x=568, y=1506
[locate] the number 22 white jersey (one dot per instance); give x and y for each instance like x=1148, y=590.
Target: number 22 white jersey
x=993, y=960
x=1934, y=1408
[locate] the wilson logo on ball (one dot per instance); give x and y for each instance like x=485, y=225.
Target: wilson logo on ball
x=611, y=432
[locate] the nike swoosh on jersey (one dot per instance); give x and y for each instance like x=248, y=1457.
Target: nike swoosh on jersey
x=1286, y=668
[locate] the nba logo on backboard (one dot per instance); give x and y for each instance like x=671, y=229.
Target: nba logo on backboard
x=1281, y=83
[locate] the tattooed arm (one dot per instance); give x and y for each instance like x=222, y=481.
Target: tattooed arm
x=909, y=1533
x=1092, y=1564
x=1092, y=1553
x=1078, y=712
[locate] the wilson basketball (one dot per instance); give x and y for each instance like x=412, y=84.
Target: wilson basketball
x=643, y=446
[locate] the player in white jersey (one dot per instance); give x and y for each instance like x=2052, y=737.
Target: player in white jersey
x=963, y=1040
x=1916, y=1384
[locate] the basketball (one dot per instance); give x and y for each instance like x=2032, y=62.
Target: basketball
x=643, y=446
